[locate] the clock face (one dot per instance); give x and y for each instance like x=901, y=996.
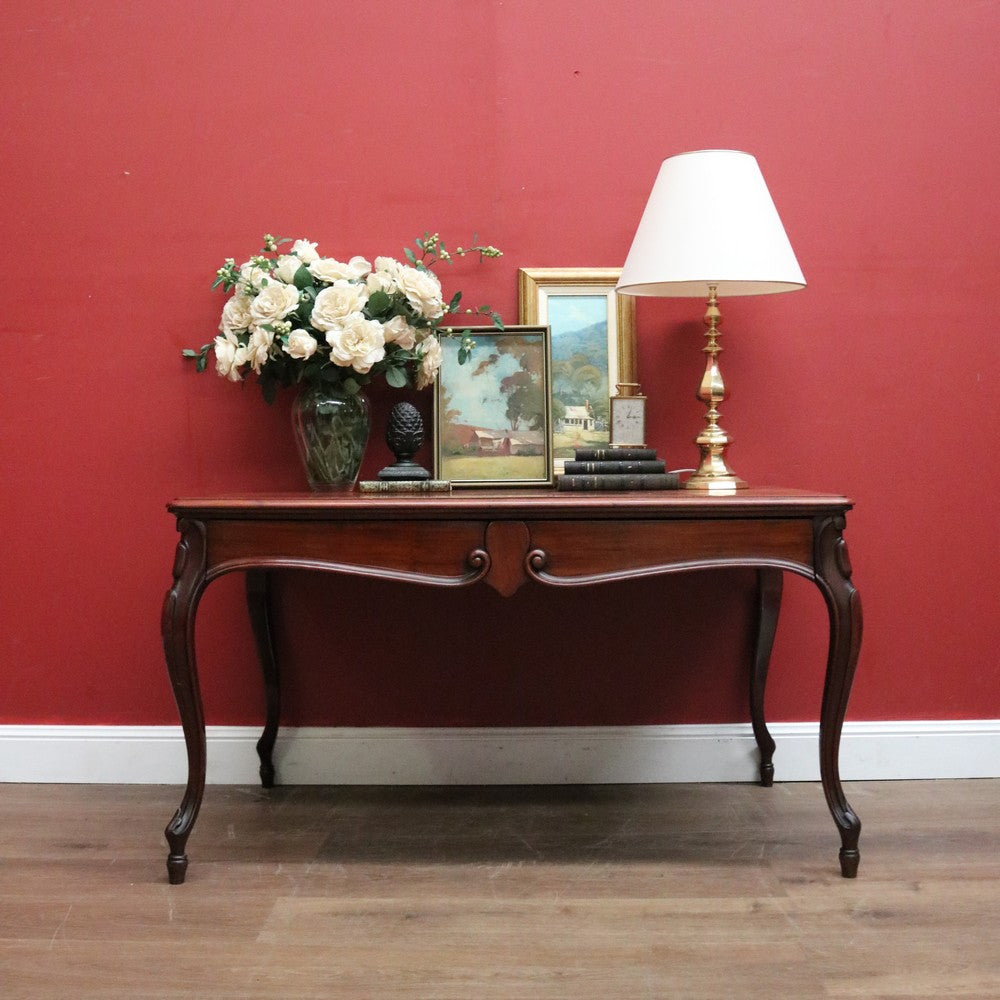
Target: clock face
x=628, y=420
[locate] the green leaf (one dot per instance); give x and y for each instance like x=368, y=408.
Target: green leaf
x=463, y=355
x=455, y=299
x=497, y=321
x=202, y=363
x=379, y=303
x=410, y=255
x=351, y=386
x=302, y=278
x=188, y=353
x=396, y=377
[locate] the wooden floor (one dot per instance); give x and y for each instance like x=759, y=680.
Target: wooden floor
x=610, y=892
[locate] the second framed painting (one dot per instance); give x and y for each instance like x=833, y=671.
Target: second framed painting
x=593, y=348
x=493, y=412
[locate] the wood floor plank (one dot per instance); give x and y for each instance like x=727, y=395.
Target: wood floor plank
x=707, y=892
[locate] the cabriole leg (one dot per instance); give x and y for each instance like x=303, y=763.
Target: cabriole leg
x=844, y=604
x=179, y=607
x=259, y=606
x=769, y=587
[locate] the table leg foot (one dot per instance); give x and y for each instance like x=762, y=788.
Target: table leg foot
x=849, y=858
x=176, y=868
x=266, y=773
x=766, y=775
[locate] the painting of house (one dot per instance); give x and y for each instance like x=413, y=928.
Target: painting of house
x=577, y=418
x=524, y=443
x=479, y=441
x=483, y=441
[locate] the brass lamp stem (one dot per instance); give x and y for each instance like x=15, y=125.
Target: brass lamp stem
x=713, y=474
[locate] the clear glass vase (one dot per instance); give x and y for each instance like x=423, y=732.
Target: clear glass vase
x=331, y=428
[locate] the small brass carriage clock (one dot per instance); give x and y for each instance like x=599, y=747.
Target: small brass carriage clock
x=628, y=416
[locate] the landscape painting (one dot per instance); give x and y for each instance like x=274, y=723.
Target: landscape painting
x=593, y=349
x=580, y=387
x=492, y=414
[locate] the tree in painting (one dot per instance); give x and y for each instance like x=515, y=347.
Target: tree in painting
x=521, y=389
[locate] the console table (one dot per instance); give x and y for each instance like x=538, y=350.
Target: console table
x=504, y=540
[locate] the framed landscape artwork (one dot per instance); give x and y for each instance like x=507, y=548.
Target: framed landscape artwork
x=492, y=414
x=593, y=348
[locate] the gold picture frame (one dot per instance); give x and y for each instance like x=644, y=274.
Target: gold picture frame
x=593, y=347
x=493, y=413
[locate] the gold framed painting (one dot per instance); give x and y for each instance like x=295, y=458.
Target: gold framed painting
x=593, y=348
x=493, y=410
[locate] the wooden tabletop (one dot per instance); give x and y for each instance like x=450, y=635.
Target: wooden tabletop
x=525, y=503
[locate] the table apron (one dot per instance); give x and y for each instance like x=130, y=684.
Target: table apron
x=507, y=552
x=622, y=549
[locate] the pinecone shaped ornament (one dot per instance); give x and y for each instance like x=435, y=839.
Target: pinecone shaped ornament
x=404, y=435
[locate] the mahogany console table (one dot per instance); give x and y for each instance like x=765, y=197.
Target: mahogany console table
x=504, y=539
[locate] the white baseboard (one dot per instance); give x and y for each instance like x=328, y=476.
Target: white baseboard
x=495, y=756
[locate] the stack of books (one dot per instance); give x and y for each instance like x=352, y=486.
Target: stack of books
x=617, y=469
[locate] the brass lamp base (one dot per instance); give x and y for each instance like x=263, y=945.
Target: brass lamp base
x=713, y=475
x=715, y=484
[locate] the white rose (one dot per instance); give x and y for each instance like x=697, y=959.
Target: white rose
x=251, y=278
x=423, y=291
x=358, y=345
x=329, y=270
x=335, y=303
x=288, y=264
x=430, y=362
x=305, y=251
x=258, y=349
x=301, y=345
x=229, y=356
x=235, y=315
x=389, y=265
x=398, y=331
x=381, y=281
x=275, y=301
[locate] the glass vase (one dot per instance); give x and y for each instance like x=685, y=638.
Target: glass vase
x=331, y=428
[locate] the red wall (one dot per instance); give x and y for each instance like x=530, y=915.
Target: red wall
x=144, y=144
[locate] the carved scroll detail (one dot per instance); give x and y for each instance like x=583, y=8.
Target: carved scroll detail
x=535, y=563
x=479, y=562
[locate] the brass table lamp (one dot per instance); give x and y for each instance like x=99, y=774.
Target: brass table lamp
x=710, y=229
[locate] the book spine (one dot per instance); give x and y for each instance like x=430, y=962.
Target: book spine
x=643, y=481
x=615, y=454
x=405, y=486
x=605, y=468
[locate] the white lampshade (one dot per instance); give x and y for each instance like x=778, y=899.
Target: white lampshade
x=710, y=220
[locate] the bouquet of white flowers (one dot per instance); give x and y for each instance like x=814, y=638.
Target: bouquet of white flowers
x=296, y=317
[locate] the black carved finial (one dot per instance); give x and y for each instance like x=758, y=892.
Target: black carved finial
x=404, y=435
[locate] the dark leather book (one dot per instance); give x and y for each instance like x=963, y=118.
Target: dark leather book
x=606, y=468
x=615, y=454
x=642, y=481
